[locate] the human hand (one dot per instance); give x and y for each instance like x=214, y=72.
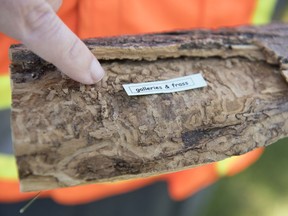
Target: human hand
x=35, y=24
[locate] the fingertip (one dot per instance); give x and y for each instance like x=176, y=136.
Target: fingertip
x=96, y=71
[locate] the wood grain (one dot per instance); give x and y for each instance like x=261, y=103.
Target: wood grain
x=66, y=133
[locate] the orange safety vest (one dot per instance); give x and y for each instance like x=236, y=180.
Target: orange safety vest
x=94, y=18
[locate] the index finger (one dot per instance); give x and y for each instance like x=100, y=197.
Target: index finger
x=46, y=35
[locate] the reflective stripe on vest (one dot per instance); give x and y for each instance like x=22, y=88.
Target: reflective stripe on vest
x=236, y=164
x=263, y=11
x=5, y=92
x=8, y=169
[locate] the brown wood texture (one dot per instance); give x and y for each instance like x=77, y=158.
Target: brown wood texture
x=66, y=133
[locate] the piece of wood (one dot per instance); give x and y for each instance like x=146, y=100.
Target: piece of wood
x=66, y=133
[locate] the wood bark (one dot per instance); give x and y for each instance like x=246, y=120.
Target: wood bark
x=66, y=133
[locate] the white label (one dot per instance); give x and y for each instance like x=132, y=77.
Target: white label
x=166, y=86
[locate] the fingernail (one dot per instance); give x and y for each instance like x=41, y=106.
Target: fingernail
x=97, y=72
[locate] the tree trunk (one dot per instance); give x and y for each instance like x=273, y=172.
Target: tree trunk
x=66, y=133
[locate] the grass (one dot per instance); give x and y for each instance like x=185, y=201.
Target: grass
x=261, y=190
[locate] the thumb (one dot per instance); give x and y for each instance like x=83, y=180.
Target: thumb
x=46, y=35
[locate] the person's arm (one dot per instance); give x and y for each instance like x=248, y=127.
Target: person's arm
x=35, y=24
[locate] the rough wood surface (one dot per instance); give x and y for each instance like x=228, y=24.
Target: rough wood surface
x=66, y=133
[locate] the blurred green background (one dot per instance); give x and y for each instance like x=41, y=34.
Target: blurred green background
x=262, y=189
